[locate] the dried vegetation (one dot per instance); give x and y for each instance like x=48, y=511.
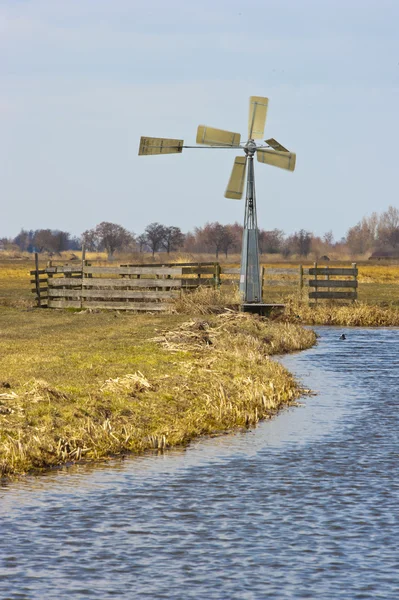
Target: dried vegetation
x=196, y=377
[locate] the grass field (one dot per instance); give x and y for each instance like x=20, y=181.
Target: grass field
x=84, y=386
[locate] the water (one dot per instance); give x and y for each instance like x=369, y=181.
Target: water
x=305, y=506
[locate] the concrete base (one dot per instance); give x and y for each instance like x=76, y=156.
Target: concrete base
x=260, y=308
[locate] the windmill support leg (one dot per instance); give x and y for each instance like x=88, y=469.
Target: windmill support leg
x=250, y=281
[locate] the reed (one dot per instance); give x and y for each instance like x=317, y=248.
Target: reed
x=356, y=314
x=113, y=385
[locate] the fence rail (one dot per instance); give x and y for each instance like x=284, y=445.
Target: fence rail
x=125, y=287
x=334, y=294
x=154, y=287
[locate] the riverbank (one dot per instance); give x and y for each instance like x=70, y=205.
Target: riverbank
x=356, y=314
x=84, y=386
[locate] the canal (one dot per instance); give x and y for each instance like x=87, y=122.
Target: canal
x=303, y=506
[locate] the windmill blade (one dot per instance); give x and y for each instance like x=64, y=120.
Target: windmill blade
x=217, y=137
x=276, y=145
x=235, y=186
x=257, y=117
x=284, y=160
x=150, y=145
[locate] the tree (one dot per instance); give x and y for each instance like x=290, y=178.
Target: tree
x=388, y=227
x=155, y=234
x=328, y=238
x=22, y=240
x=109, y=236
x=298, y=243
x=219, y=236
x=173, y=239
x=363, y=236
x=141, y=240
x=43, y=240
x=271, y=242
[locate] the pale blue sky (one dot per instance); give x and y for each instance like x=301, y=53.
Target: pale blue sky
x=82, y=80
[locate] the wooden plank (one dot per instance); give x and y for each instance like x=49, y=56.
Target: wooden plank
x=39, y=289
x=133, y=270
x=334, y=295
x=39, y=272
x=230, y=271
x=334, y=272
x=39, y=280
x=282, y=271
x=330, y=283
x=64, y=269
x=165, y=264
x=137, y=306
x=117, y=283
x=102, y=294
x=199, y=270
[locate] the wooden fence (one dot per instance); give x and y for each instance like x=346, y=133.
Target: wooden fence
x=128, y=287
x=328, y=288
x=153, y=287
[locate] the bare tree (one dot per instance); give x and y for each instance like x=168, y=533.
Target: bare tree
x=363, y=236
x=271, y=242
x=388, y=227
x=298, y=243
x=155, y=234
x=173, y=239
x=219, y=236
x=141, y=241
x=109, y=236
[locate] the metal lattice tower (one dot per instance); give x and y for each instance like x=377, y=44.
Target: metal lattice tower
x=272, y=153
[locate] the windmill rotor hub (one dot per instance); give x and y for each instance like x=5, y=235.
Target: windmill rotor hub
x=250, y=148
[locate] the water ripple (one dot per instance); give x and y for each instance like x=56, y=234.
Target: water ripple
x=305, y=506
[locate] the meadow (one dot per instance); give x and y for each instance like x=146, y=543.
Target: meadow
x=79, y=385
x=86, y=386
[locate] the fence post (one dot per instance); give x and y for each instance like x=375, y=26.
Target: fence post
x=37, y=282
x=262, y=276
x=300, y=280
x=217, y=275
x=355, y=279
x=83, y=265
x=315, y=277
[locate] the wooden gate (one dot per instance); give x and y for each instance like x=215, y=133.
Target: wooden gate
x=327, y=286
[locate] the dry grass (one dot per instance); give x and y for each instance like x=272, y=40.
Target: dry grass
x=356, y=314
x=203, y=300
x=90, y=385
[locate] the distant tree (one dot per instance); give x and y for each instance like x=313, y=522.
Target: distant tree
x=388, y=228
x=173, y=239
x=220, y=237
x=328, y=238
x=271, y=242
x=22, y=240
x=141, y=241
x=110, y=236
x=60, y=241
x=90, y=240
x=363, y=237
x=155, y=234
x=298, y=243
x=43, y=240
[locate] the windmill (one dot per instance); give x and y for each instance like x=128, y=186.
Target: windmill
x=272, y=153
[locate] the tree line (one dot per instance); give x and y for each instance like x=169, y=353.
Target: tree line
x=377, y=232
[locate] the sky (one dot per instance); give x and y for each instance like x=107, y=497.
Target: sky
x=82, y=80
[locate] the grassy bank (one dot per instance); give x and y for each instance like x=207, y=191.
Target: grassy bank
x=357, y=314
x=79, y=386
